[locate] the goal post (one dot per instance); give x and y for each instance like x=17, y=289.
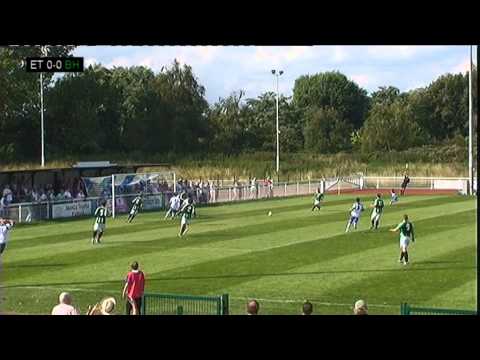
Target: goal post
x=119, y=190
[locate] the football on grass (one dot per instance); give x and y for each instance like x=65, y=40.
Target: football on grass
x=269, y=213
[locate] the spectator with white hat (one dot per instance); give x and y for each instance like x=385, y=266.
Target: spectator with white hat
x=360, y=308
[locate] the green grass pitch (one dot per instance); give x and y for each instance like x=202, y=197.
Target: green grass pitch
x=239, y=250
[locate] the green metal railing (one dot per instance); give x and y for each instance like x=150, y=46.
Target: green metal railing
x=172, y=304
x=406, y=309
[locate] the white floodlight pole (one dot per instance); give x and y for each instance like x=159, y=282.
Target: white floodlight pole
x=470, y=124
x=44, y=53
x=277, y=75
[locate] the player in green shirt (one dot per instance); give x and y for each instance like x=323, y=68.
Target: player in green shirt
x=378, y=206
x=137, y=204
x=316, y=200
x=100, y=220
x=406, y=234
x=187, y=212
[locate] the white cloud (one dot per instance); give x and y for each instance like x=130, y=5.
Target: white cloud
x=362, y=80
x=223, y=69
x=120, y=61
x=462, y=67
x=340, y=54
x=90, y=61
x=400, y=51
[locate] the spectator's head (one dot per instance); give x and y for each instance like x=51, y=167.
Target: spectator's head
x=252, y=307
x=360, y=308
x=134, y=266
x=108, y=306
x=65, y=298
x=307, y=308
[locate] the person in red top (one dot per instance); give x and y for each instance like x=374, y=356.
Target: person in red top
x=133, y=289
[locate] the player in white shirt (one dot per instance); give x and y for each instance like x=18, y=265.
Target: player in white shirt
x=253, y=188
x=355, y=212
x=5, y=227
x=174, y=206
x=393, y=197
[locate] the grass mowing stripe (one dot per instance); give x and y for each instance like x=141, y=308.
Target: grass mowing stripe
x=404, y=283
x=467, y=293
x=148, y=224
x=178, y=257
x=99, y=254
x=225, y=272
x=325, y=279
x=142, y=227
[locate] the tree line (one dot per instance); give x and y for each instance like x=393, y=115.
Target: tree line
x=125, y=110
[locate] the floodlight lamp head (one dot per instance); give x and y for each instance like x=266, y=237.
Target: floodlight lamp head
x=273, y=72
x=281, y=72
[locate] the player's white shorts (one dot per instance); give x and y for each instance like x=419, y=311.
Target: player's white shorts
x=404, y=242
x=316, y=203
x=375, y=216
x=134, y=211
x=185, y=221
x=354, y=219
x=98, y=227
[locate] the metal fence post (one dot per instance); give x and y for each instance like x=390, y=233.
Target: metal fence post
x=298, y=188
x=144, y=306
x=19, y=213
x=309, y=190
x=378, y=183
x=113, y=196
x=229, y=194
x=285, y=191
x=225, y=304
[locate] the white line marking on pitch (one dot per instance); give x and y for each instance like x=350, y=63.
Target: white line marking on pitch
x=282, y=301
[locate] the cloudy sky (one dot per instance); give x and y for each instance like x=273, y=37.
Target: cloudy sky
x=224, y=69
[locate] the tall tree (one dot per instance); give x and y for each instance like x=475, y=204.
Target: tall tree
x=390, y=127
x=385, y=95
x=326, y=131
x=20, y=101
x=445, y=104
x=83, y=112
x=334, y=90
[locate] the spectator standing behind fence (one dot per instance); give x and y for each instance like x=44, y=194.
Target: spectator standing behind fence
x=270, y=187
x=133, y=289
x=307, y=308
x=213, y=197
x=67, y=195
x=7, y=195
x=65, y=306
x=252, y=307
x=360, y=308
